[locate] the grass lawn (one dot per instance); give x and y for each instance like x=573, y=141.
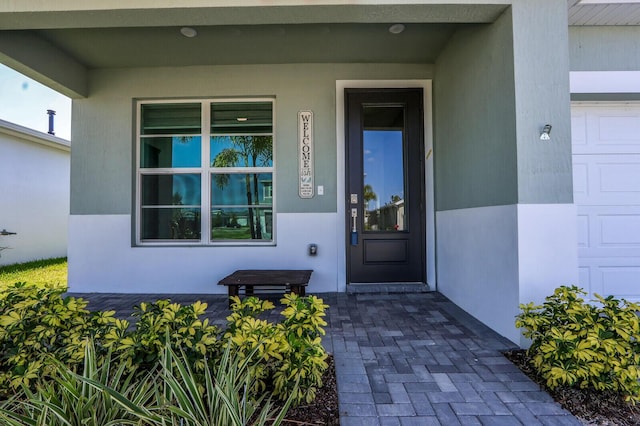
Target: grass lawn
x=39, y=272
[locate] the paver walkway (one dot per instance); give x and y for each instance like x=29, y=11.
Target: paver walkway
x=409, y=359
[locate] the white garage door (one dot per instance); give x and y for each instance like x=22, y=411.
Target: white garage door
x=606, y=186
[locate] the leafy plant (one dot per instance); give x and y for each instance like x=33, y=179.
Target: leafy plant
x=305, y=360
x=40, y=331
x=291, y=358
x=161, y=323
x=585, y=345
x=36, y=322
x=105, y=395
x=222, y=398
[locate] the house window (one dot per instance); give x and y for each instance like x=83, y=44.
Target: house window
x=205, y=171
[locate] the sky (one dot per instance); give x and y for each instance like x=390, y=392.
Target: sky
x=383, y=165
x=25, y=102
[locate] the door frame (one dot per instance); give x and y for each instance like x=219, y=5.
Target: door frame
x=341, y=237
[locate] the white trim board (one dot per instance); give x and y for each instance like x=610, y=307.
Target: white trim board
x=604, y=81
x=341, y=237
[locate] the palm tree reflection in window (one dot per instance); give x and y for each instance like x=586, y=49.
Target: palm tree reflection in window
x=246, y=151
x=185, y=223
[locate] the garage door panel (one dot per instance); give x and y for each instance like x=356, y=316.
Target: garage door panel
x=584, y=277
x=623, y=281
x=620, y=230
x=618, y=176
x=578, y=129
x=606, y=179
x=609, y=129
x=609, y=229
x=580, y=179
x=583, y=231
x=606, y=172
x=598, y=276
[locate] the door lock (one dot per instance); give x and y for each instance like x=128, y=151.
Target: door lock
x=354, y=198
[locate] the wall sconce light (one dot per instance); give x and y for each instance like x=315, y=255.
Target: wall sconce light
x=313, y=249
x=545, y=134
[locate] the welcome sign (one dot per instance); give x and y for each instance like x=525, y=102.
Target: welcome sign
x=305, y=153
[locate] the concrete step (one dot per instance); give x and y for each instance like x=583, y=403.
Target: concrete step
x=363, y=288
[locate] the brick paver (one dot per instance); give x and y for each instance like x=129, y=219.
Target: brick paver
x=409, y=359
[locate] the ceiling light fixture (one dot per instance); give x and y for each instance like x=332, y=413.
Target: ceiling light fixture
x=242, y=119
x=396, y=28
x=188, y=32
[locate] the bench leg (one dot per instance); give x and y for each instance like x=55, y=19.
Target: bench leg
x=298, y=289
x=233, y=291
x=248, y=290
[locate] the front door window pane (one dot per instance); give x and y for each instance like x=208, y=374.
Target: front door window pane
x=384, y=171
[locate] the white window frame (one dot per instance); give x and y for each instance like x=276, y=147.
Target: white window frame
x=205, y=171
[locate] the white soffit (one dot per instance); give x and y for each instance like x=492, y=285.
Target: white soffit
x=604, y=12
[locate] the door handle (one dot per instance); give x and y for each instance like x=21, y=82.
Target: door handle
x=354, y=227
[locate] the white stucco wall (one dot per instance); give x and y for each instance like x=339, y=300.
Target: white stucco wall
x=101, y=258
x=491, y=259
x=34, y=194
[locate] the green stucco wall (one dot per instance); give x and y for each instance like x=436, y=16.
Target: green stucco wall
x=541, y=77
x=474, y=125
x=495, y=88
x=604, y=48
x=103, y=134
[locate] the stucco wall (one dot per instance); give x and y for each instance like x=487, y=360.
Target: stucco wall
x=103, y=133
x=34, y=194
x=505, y=222
x=474, y=125
x=604, y=48
x=541, y=77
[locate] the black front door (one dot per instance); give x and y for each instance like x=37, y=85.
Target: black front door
x=385, y=185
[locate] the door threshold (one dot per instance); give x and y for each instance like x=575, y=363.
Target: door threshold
x=382, y=288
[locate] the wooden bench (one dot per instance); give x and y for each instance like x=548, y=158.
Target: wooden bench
x=294, y=279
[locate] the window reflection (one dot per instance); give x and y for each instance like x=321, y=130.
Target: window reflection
x=383, y=165
x=241, y=151
x=170, y=223
x=241, y=224
x=167, y=152
x=241, y=189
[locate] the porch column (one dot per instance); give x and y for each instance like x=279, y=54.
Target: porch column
x=505, y=221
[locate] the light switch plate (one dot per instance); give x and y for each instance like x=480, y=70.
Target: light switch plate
x=320, y=189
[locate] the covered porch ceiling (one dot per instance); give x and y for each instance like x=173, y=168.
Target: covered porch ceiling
x=57, y=43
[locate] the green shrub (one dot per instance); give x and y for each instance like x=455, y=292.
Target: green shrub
x=291, y=359
x=38, y=325
x=162, y=320
x=305, y=360
x=585, y=345
x=36, y=322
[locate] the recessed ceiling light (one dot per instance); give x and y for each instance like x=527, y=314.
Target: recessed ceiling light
x=396, y=28
x=188, y=32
